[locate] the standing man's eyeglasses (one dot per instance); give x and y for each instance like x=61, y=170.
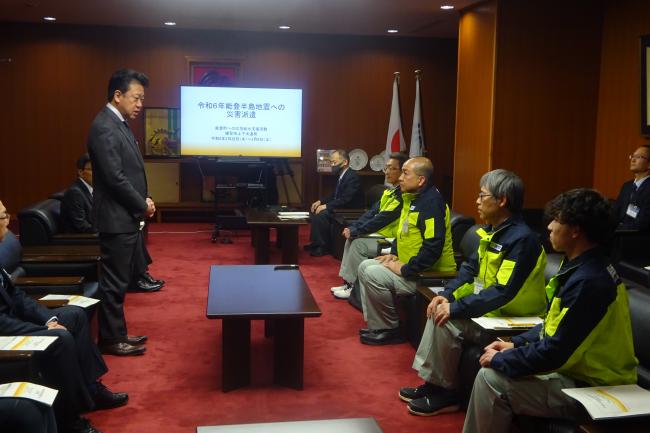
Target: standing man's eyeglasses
x=637, y=157
x=482, y=195
x=5, y=216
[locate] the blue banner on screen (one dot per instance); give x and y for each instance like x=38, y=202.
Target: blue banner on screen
x=235, y=121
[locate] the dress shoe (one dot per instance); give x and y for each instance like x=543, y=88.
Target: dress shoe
x=80, y=425
x=318, y=252
x=106, y=399
x=151, y=280
x=136, y=340
x=144, y=286
x=122, y=349
x=383, y=336
x=368, y=331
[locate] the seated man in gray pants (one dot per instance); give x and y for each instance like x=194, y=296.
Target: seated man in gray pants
x=586, y=337
x=422, y=243
x=504, y=278
x=382, y=218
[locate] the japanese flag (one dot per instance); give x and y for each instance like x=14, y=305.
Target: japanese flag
x=417, y=134
x=395, y=139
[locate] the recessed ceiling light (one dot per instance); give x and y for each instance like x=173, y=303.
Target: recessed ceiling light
x=284, y=27
x=446, y=7
x=169, y=23
x=392, y=31
x=49, y=19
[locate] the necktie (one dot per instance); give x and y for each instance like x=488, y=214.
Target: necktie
x=336, y=191
x=3, y=288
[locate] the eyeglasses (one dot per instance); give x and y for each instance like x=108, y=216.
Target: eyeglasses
x=389, y=168
x=637, y=157
x=6, y=216
x=482, y=195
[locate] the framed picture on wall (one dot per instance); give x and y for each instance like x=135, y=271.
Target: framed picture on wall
x=645, y=85
x=162, y=132
x=213, y=73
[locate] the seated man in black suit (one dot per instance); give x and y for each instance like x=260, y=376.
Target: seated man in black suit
x=72, y=364
x=633, y=202
x=76, y=209
x=21, y=415
x=348, y=194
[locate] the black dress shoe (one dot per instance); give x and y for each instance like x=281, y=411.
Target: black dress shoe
x=122, y=349
x=382, y=337
x=105, y=399
x=151, y=280
x=136, y=340
x=318, y=252
x=144, y=286
x=363, y=331
x=80, y=425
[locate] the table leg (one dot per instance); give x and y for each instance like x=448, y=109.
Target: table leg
x=289, y=244
x=235, y=353
x=289, y=347
x=261, y=242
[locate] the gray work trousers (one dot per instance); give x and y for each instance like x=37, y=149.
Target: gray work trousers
x=379, y=287
x=355, y=251
x=441, y=347
x=496, y=398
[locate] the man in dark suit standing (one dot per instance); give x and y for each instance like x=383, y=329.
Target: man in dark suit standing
x=633, y=202
x=71, y=364
x=76, y=210
x=347, y=194
x=121, y=204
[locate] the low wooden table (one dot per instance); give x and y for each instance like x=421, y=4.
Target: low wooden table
x=239, y=294
x=346, y=425
x=260, y=222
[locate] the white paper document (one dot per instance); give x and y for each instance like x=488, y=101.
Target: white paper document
x=294, y=214
x=604, y=402
x=77, y=300
x=32, y=391
x=26, y=343
x=436, y=289
x=503, y=323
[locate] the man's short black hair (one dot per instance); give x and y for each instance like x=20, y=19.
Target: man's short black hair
x=400, y=157
x=121, y=80
x=343, y=154
x=82, y=161
x=585, y=208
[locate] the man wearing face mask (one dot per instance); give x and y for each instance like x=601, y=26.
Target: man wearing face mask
x=347, y=194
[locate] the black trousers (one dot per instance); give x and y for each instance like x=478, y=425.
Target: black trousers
x=26, y=416
x=122, y=258
x=320, y=235
x=71, y=364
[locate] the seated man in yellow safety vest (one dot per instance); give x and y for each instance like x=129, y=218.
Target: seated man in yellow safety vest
x=504, y=278
x=586, y=337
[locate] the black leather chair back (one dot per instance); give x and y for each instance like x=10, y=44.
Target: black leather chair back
x=39, y=222
x=459, y=225
x=373, y=194
x=640, y=314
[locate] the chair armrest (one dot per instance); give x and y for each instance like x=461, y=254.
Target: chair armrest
x=52, y=303
x=77, y=236
x=14, y=355
x=60, y=258
x=437, y=275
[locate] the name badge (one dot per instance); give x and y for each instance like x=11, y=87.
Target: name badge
x=478, y=285
x=495, y=246
x=632, y=210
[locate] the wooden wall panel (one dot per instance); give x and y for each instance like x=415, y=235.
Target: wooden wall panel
x=546, y=94
x=474, y=103
x=619, y=113
x=56, y=83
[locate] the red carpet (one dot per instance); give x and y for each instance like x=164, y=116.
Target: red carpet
x=175, y=386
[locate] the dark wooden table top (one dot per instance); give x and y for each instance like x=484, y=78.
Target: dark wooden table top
x=266, y=217
x=258, y=292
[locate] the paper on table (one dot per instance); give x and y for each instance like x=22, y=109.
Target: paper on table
x=78, y=300
x=32, y=391
x=604, y=402
x=502, y=323
x=293, y=214
x=436, y=289
x=26, y=343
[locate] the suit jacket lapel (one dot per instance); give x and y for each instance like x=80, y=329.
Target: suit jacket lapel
x=5, y=280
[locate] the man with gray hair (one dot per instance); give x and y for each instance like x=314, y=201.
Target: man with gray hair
x=422, y=243
x=505, y=277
